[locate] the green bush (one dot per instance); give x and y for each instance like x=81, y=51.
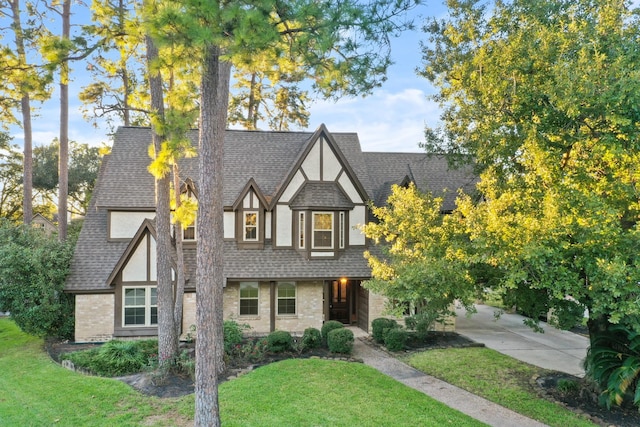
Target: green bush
x=379, y=325
x=395, y=338
x=233, y=335
x=279, y=341
x=33, y=268
x=340, y=341
x=613, y=361
x=311, y=338
x=328, y=327
x=117, y=358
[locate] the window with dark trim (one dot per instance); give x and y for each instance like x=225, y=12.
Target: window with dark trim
x=341, y=230
x=249, y=293
x=322, y=230
x=286, y=298
x=251, y=226
x=301, y=240
x=140, y=306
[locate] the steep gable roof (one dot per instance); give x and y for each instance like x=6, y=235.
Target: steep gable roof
x=431, y=173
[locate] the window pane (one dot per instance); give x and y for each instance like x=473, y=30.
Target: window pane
x=323, y=221
x=248, y=290
x=286, y=290
x=134, y=316
x=322, y=239
x=248, y=307
x=134, y=296
x=286, y=306
x=154, y=315
x=251, y=219
x=154, y=296
x=189, y=233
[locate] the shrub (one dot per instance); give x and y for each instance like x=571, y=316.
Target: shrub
x=33, y=268
x=311, y=338
x=379, y=325
x=613, y=361
x=395, y=338
x=232, y=334
x=328, y=327
x=422, y=322
x=279, y=341
x=117, y=358
x=340, y=341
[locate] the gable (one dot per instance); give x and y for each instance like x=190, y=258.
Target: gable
x=322, y=161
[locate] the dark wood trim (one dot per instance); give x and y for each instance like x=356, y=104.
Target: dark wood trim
x=326, y=294
x=135, y=332
x=272, y=306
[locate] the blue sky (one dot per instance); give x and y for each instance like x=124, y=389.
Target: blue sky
x=390, y=119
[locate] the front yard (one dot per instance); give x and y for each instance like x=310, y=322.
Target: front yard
x=34, y=391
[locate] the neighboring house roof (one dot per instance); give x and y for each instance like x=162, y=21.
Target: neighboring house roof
x=431, y=173
x=262, y=159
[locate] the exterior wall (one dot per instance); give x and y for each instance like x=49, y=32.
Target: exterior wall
x=124, y=225
x=309, y=309
x=188, y=314
x=94, y=317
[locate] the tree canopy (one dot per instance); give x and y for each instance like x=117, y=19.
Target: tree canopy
x=544, y=96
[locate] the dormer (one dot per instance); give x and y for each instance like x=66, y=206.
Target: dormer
x=320, y=203
x=252, y=221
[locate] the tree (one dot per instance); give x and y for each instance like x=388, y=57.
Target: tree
x=544, y=97
x=83, y=171
x=268, y=89
x=10, y=180
x=340, y=45
x=25, y=81
x=33, y=268
x=422, y=266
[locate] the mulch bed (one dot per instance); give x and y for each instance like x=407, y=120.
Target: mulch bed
x=580, y=399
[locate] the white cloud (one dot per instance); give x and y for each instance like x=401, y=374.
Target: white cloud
x=385, y=121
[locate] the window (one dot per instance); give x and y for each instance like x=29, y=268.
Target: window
x=189, y=233
x=323, y=230
x=251, y=226
x=140, y=306
x=286, y=298
x=248, y=298
x=301, y=229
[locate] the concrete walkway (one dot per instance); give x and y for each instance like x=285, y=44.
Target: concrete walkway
x=554, y=349
x=452, y=396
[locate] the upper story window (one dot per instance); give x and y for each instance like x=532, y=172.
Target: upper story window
x=301, y=230
x=322, y=233
x=187, y=212
x=251, y=226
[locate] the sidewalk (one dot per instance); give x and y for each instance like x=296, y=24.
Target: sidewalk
x=452, y=396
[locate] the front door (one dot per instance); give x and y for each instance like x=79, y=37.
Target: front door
x=340, y=301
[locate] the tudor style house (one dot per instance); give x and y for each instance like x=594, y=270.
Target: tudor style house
x=293, y=250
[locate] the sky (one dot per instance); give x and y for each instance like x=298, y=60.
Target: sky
x=392, y=118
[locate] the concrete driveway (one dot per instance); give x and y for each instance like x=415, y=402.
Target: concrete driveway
x=554, y=349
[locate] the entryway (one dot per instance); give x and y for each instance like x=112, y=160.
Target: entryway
x=341, y=300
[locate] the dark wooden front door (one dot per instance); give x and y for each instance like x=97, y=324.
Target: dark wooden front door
x=340, y=301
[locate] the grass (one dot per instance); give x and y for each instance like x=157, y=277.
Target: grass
x=34, y=391
x=498, y=378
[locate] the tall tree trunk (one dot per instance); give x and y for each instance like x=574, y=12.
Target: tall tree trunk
x=25, y=108
x=63, y=161
x=180, y=274
x=214, y=93
x=167, y=338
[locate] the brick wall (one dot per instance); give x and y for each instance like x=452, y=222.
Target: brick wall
x=94, y=317
x=309, y=308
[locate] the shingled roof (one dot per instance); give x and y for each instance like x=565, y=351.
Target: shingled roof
x=268, y=158
x=431, y=173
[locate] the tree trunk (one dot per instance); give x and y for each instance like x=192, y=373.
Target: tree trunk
x=63, y=161
x=180, y=274
x=167, y=338
x=25, y=108
x=214, y=92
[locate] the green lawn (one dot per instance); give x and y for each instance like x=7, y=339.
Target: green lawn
x=34, y=391
x=495, y=377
